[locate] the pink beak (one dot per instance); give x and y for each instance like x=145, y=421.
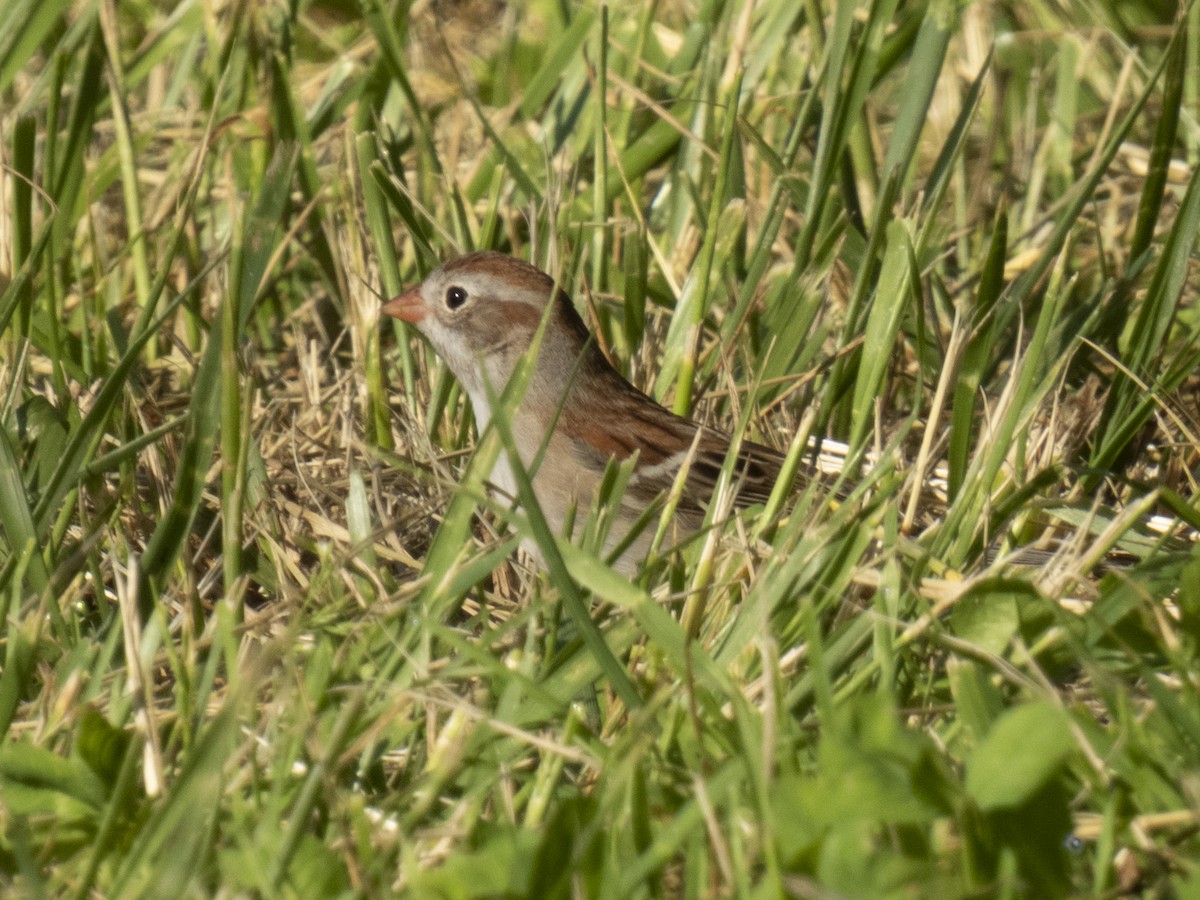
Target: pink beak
x=408, y=307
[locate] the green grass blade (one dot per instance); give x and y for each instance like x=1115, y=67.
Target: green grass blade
x=883, y=325
x=28, y=24
x=16, y=515
x=1158, y=310
x=976, y=355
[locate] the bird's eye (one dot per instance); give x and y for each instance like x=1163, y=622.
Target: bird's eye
x=455, y=297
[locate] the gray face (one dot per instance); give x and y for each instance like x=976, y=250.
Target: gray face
x=481, y=313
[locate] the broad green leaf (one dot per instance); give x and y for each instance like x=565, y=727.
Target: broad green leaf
x=1026, y=747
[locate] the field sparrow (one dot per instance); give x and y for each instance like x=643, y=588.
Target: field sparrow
x=481, y=311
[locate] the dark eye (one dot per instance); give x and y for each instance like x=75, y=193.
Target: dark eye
x=455, y=297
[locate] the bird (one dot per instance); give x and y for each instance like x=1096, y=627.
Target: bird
x=480, y=312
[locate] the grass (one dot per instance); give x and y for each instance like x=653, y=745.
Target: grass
x=263, y=630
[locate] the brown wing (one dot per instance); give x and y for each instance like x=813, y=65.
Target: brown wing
x=754, y=476
x=622, y=421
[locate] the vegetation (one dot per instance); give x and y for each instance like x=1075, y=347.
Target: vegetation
x=264, y=632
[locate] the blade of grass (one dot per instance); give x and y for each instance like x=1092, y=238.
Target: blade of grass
x=1081, y=194
x=17, y=517
x=567, y=47
x=541, y=532
x=883, y=326
x=976, y=355
x=28, y=24
x=928, y=56
x=253, y=249
x=127, y=155
x=1150, y=328
x=683, y=336
x=380, y=225
x=1151, y=200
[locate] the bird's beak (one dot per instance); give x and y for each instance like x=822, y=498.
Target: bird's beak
x=408, y=307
